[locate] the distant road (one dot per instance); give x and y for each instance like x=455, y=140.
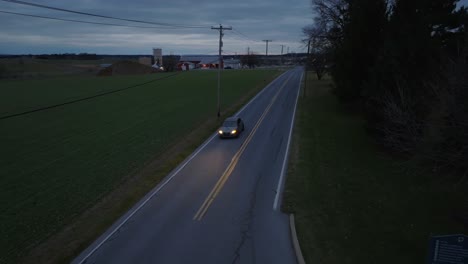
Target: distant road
x=222, y=204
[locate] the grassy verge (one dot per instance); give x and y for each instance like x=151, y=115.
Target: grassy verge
x=353, y=203
x=58, y=163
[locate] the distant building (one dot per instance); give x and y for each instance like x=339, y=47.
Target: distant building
x=232, y=64
x=158, y=59
x=185, y=66
x=198, y=62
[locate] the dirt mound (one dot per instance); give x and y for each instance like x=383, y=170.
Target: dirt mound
x=126, y=68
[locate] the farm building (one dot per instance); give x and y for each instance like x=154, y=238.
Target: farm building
x=157, y=57
x=232, y=64
x=198, y=62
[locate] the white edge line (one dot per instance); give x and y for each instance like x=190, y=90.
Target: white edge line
x=286, y=155
x=295, y=240
x=104, y=240
x=261, y=92
x=146, y=200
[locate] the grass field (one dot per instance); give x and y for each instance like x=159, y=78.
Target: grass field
x=31, y=68
x=57, y=162
x=354, y=203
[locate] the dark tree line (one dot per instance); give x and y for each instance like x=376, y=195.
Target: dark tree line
x=170, y=62
x=69, y=56
x=250, y=60
x=403, y=64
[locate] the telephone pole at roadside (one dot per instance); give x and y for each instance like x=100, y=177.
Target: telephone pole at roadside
x=220, y=59
x=306, y=68
x=267, y=40
x=282, y=47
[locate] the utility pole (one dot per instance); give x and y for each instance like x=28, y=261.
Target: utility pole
x=282, y=46
x=306, y=67
x=267, y=40
x=220, y=59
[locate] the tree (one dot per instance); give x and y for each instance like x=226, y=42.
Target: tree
x=401, y=92
x=170, y=62
x=332, y=16
x=325, y=34
x=355, y=54
x=250, y=60
x=447, y=129
x=405, y=63
x=318, y=48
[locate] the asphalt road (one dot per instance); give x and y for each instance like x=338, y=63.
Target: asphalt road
x=221, y=205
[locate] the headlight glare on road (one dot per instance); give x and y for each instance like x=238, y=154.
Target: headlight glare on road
x=234, y=131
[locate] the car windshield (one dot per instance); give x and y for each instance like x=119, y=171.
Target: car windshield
x=230, y=124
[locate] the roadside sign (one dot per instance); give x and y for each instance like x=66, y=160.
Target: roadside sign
x=448, y=249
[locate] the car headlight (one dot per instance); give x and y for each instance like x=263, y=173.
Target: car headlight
x=220, y=132
x=234, y=131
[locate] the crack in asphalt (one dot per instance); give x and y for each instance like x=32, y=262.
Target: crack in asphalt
x=246, y=223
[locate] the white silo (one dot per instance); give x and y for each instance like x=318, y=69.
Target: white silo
x=157, y=53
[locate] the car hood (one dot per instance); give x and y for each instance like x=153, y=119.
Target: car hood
x=227, y=129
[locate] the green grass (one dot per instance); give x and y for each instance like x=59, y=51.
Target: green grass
x=58, y=162
x=29, y=68
x=354, y=203
x=18, y=68
x=20, y=96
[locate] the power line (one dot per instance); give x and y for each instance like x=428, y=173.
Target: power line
x=78, y=21
x=162, y=24
x=104, y=16
x=85, y=98
x=244, y=36
x=237, y=37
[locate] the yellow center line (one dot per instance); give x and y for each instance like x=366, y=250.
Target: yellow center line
x=230, y=168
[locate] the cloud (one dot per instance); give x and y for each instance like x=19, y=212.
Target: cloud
x=252, y=20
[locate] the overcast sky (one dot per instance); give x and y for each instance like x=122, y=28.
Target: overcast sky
x=252, y=21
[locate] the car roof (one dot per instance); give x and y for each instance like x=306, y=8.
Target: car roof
x=232, y=118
